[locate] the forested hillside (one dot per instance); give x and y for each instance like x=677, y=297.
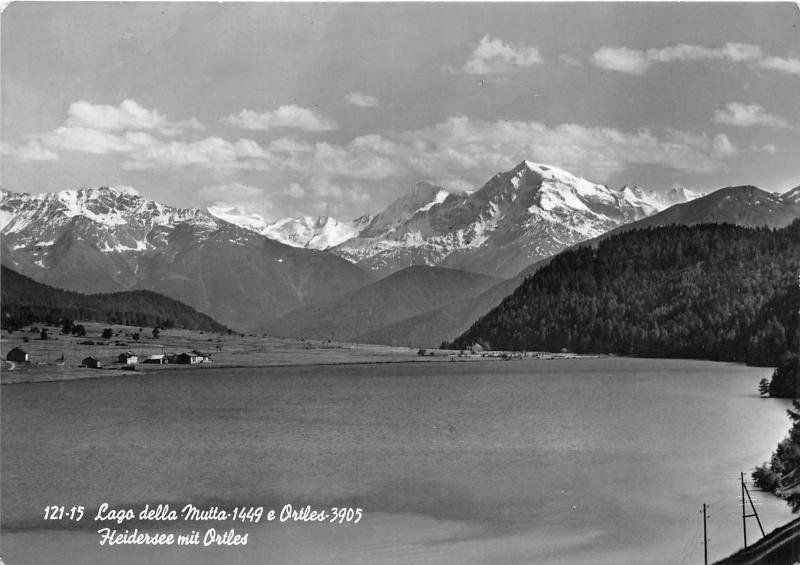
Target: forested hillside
x=709, y=291
x=25, y=301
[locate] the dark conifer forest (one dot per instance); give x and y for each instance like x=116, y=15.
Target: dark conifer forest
x=25, y=301
x=719, y=292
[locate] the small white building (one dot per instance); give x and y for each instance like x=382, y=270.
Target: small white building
x=157, y=359
x=127, y=358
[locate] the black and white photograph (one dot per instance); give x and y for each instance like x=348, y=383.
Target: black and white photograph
x=399, y=283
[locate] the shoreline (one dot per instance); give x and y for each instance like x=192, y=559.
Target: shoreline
x=61, y=357
x=35, y=374
x=80, y=373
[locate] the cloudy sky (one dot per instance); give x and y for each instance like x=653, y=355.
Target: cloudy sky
x=288, y=109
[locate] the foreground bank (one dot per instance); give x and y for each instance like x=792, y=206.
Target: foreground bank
x=779, y=547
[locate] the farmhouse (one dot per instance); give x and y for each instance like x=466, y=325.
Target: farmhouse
x=17, y=355
x=204, y=357
x=127, y=358
x=190, y=358
x=158, y=359
x=91, y=363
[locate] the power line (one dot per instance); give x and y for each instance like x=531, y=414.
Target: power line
x=691, y=544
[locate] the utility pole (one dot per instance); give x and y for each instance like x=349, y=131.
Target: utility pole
x=745, y=516
x=705, y=537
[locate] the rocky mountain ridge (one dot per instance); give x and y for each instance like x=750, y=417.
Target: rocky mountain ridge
x=107, y=240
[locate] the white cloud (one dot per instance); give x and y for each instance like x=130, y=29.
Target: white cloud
x=367, y=157
x=89, y=140
x=637, y=61
x=770, y=148
x=288, y=145
x=460, y=144
x=458, y=151
x=747, y=115
x=334, y=198
x=211, y=152
x=468, y=151
x=497, y=56
x=621, y=59
x=361, y=100
x=722, y=146
x=295, y=190
x=129, y=115
x=234, y=191
x=569, y=60
x=289, y=116
x=788, y=66
x=31, y=151
x=734, y=52
x=246, y=215
x=738, y=52
x=143, y=151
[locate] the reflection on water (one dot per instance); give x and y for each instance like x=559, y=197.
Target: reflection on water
x=601, y=460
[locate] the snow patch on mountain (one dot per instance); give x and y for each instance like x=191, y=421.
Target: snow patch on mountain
x=320, y=232
x=118, y=219
x=312, y=232
x=5, y=218
x=792, y=196
x=440, y=197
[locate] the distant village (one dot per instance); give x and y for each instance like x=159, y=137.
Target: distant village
x=93, y=349
x=126, y=360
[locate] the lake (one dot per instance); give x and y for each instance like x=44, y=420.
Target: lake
x=568, y=461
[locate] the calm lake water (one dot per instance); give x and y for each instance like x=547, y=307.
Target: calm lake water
x=567, y=461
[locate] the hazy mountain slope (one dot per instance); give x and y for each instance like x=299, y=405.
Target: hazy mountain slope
x=396, y=297
x=104, y=240
x=23, y=301
x=444, y=323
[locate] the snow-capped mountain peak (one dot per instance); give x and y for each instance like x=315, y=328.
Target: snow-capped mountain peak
x=320, y=232
x=560, y=176
x=422, y=198
x=312, y=232
x=238, y=216
x=530, y=212
x=679, y=194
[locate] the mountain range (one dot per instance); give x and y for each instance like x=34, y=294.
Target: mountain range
x=517, y=218
x=232, y=267
x=746, y=206
x=109, y=240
